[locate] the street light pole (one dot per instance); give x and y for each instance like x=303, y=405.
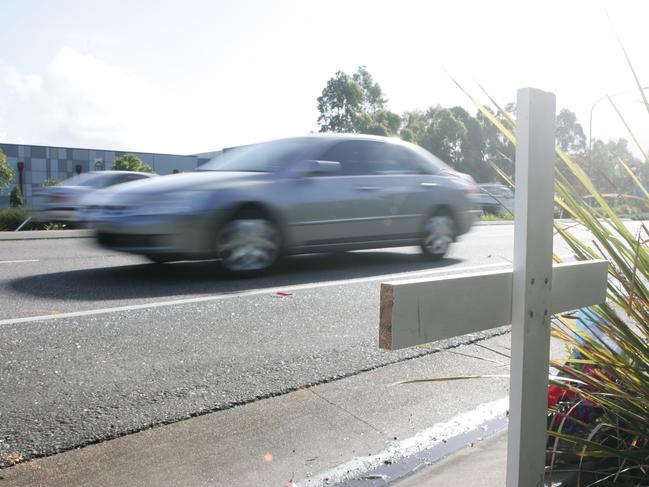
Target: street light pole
x=590, y=121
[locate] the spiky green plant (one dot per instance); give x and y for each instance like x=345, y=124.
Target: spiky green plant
x=610, y=353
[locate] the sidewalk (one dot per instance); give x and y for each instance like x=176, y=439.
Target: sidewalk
x=315, y=436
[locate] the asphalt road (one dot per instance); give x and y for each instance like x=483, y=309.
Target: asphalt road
x=97, y=344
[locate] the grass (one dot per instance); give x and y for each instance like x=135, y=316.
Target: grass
x=12, y=218
x=491, y=217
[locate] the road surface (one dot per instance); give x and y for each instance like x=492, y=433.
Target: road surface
x=97, y=344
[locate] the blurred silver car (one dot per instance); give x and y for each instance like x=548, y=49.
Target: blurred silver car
x=252, y=204
x=64, y=202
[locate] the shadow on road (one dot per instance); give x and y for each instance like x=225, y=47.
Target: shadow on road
x=208, y=277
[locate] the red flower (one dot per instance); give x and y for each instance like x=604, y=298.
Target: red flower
x=556, y=394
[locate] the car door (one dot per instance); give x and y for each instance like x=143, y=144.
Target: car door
x=339, y=207
x=405, y=189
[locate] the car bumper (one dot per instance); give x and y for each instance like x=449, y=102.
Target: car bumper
x=189, y=236
x=59, y=215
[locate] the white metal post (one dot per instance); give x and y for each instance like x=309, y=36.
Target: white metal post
x=532, y=280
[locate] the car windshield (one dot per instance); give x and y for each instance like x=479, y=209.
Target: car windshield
x=264, y=157
x=92, y=180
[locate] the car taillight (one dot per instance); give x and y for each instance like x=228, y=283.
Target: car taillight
x=471, y=190
x=57, y=198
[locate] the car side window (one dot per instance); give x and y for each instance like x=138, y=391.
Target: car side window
x=393, y=159
x=122, y=178
x=133, y=177
x=352, y=156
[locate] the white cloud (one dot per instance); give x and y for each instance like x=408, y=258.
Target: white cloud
x=82, y=101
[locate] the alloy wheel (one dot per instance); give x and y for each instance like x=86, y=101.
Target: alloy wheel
x=439, y=232
x=246, y=245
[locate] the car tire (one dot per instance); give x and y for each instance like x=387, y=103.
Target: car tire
x=439, y=234
x=249, y=243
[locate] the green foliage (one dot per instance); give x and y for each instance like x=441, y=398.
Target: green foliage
x=569, y=133
x=491, y=217
x=51, y=182
x=604, y=169
x=472, y=147
x=443, y=136
x=16, y=198
x=54, y=226
x=6, y=172
x=355, y=104
x=616, y=347
x=497, y=147
x=11, y=218
x=453, y=135
x=130, y=162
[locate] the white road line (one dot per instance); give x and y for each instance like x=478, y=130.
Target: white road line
x=252, y=292
x=18, y=261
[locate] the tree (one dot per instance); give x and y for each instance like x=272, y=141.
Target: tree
x=603, y=167
x=51, y=182
x=355, y=104
x=472, y=147
x=373, y=99
x=382, y=122
x=413, y=126
x=443, y=136
x=130, y=162
x=569, y=133
x=453, y=135
x=497, y=148
x=6, y=172
x=16, y=199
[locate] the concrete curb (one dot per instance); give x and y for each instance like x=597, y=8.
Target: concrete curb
x=409, y=455
x=45, y=234
x=511, y=222
x=504, y=222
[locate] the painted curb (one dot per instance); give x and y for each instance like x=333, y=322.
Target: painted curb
x=46, y=234
x=402, y=458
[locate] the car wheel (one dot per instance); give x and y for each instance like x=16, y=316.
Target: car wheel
x=248, y=245
x=439, y=234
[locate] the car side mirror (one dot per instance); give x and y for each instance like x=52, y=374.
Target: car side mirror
x=307, y=168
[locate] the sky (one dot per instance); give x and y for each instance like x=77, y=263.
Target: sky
x=198, y=75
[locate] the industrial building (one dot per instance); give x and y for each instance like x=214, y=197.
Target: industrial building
x=34, y=164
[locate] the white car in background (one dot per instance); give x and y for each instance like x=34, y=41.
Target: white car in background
x=495, y=199
x=64, y=202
